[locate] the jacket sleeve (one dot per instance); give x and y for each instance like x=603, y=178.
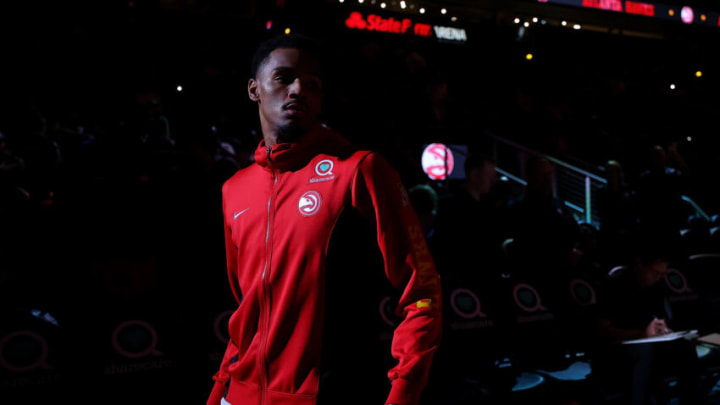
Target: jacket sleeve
x=378, y=194
x=222, y=377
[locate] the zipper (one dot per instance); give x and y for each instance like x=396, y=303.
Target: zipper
x=265, y=305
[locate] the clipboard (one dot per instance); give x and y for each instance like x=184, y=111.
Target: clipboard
x=685, y=334
x=711, y=339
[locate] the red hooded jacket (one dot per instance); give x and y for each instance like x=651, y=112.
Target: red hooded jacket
x=279, y=215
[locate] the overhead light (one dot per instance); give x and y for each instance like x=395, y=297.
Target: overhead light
x=564, y=23
x=517, y=21
x=422, y=11
x=526, y=24
x=179, y=88
x=672, y=86
x=403, y=5
x=453, y=19
x=535, y=19
x=576, y=27
x=443, y=11
x=383, y=5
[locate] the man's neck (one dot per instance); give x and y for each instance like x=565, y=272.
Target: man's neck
x=274, y=136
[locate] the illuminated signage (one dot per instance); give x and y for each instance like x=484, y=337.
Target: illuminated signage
x=438, y=161
x=614, y=5
x=686, y=15
x=452, y=34
x=391, y=25
x=634, y=7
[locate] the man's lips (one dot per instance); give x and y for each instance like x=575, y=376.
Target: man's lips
x=295, y=107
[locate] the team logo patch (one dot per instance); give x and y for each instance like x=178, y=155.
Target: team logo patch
x=324, y=167
x=309, y=203
x=324, y=170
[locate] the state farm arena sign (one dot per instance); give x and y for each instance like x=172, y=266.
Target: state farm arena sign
x=407, y=26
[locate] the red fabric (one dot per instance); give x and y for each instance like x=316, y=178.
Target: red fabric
x=279, y=214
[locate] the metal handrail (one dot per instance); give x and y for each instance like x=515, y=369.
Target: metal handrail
x=551, y=159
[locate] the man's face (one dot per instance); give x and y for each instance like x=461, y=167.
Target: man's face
x=289, y=93
x=653, y=272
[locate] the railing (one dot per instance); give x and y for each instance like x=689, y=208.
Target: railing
x=576, y=187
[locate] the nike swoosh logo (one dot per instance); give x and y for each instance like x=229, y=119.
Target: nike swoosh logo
x=237, y=214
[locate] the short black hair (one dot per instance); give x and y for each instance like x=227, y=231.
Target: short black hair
x=290, y=41
x=477, y=161
x=654, y=243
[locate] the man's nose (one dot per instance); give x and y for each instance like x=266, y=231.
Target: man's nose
x=296, y=88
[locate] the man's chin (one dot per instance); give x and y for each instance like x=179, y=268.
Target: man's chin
x=291, y=132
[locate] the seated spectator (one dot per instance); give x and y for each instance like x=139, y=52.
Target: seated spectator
x=425, y=202
x=617, y=214
x=634, y=305
x=543, y=229
x=469, y=228
x=659, y=193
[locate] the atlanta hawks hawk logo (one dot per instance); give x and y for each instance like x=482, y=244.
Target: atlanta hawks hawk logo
x=309, y=203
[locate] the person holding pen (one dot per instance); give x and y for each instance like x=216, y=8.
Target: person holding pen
x=634, y=305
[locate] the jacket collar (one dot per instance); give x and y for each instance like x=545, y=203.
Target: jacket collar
x=293, y=155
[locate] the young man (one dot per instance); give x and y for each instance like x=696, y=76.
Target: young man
x=295, y=337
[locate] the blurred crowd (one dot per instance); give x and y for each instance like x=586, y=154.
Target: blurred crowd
x=110, y=201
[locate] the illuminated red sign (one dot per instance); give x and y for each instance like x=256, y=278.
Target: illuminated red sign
x=613, y=5
x=687, y=15
x=633, y=7
x=438, y=161
x=391, y=25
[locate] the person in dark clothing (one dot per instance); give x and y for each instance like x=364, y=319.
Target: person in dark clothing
x=468, y=220
x=634, y=305
x=617, y=213
x=543, y=229
x=659, y=193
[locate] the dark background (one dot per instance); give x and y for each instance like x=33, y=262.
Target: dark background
x=110, y=222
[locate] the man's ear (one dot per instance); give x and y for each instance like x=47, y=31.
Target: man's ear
x=253, y=91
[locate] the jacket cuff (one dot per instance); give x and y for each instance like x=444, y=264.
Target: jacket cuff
x=404, y=392
x=217, y=393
